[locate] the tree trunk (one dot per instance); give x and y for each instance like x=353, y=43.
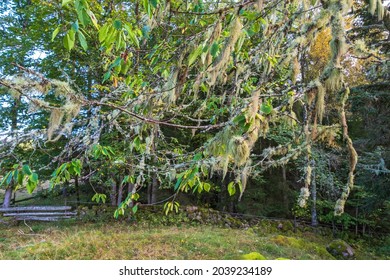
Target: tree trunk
x=131, y=190
x=14, y=126
x=113, y=194
x=285, y=189
x=76, y=183
x=65, y=192
x=13, y=198
x=120, y=193
x=153, y=195
x=152, y=190
x=153, y=186
x=314, y=220
x=7, y=198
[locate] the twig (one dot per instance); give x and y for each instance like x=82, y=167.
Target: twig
x=32, y=72
x=28, y=226
x=154, y=121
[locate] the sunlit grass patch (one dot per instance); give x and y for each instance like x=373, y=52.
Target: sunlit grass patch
x=122, y=240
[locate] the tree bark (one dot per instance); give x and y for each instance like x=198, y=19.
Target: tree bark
x=7, y=198
x=285, y=188
x=76, y=183
x=314, y=220
x=120, y=193
x=131, y=190
x=113, y=194
x=152, y=190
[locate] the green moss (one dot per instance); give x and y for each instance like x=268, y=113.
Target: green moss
x=253, y=256
x=340, y=249
x=300, y=248
x=288, y=241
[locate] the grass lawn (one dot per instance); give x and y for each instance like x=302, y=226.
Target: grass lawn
x=121, y=240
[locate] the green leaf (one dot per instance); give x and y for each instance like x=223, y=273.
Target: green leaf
x=168, y=206
x=134, y=39
x=69, y=40
x=75, y=26
x=67, y=175
x=65, y=2
x=26, y=170
x=194, y=55
x=82, y=15
x=148, y=8
x=116, y=214
x=135, y=208
x=137, y=143
x=93, y=18
x=126, y=179
x=116, y=62
x=154, y=3
x=197, y=157
x=83, y=41
x=72, y=34
x=266, y=108
x=9, y=178
x=110, y=150
x=106, y=76
x=231, y=188
x=77, y=170
x=34, y=177
x=5, y=179
x=176, y=205
x=214, y=49
x=20, y=178
x=206, y=187
x=55, y=33
x=135, y=196
x=240, y=119
x=177, y=185
x=117, y=24
x=96, y=197
x=145, y=31
x=30, y=186
x=15, y=173
x=103, y=33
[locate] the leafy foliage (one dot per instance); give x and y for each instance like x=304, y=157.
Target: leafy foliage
x=149, y=99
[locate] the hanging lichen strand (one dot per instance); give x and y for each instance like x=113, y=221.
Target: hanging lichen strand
x=377, y=6
x=224, y=58
x=230, y=146
x=61, y=117
x=305, y=190
x=333, y=80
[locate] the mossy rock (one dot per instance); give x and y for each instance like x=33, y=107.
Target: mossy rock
x=253, y=256
x=341, y=250
x=286, y=226
x=282, y=259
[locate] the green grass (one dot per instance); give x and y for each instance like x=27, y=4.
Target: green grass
x=121, y=240
x=153, y=235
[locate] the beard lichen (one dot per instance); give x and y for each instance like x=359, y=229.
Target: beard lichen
x=56, y=118
x=320, y=100
x=238, y=148
x=223, y=59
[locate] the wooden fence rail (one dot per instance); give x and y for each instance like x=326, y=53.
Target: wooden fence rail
x=39, y=213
